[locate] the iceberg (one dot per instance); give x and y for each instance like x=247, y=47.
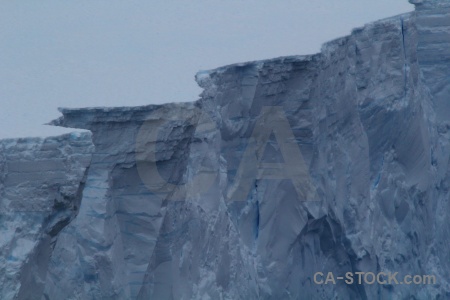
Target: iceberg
x=284, y=168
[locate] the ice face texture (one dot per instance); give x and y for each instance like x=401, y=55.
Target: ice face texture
x=370, y=117
x=41, y=185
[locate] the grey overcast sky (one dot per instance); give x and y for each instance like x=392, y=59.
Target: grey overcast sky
x=125, y=53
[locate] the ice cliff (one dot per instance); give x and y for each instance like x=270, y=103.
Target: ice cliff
x=186, y=201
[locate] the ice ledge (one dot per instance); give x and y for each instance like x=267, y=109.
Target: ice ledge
x=206, y=78
x=84, y=117
x=202, y=77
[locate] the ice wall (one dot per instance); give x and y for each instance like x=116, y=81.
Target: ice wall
x=176, y=204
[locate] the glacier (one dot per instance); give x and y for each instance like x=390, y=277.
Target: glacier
x=333, y=162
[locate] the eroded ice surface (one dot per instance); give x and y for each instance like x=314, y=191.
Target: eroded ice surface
x=369, y=117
